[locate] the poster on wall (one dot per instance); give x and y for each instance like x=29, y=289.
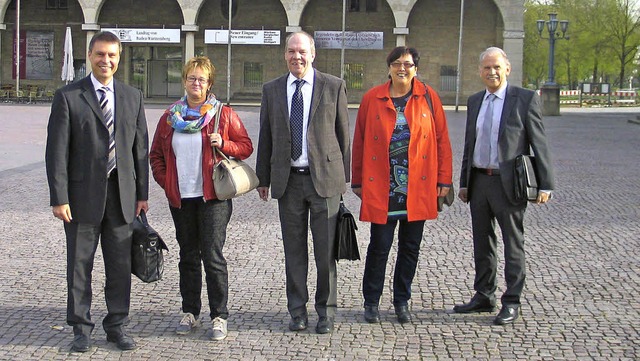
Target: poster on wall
x=370, y=40
x=39, y=49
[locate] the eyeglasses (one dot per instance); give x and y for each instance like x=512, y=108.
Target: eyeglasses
x=193, y=79
x=406, y=65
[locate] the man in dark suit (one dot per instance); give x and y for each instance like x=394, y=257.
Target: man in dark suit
x=304, y=156
x=503, y=122
x=98, y=172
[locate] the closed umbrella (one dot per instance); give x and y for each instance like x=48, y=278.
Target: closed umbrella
x=68, y=72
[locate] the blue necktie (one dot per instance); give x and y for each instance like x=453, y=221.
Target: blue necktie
x=108, y=119
x=297, y=120
x=484, y=138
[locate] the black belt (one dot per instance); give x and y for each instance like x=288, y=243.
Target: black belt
x=300, y=170
x=487, y=171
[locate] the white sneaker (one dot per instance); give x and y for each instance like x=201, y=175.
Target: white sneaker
x=219, y=329
x=187, y=324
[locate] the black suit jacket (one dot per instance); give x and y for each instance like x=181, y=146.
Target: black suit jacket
x=77, y=151
x=521, y=130
x=328, y=138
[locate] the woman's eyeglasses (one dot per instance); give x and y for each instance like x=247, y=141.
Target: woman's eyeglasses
x=406, y=65
x=193, y=79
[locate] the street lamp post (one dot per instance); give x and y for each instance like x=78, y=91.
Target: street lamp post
x=550, y=91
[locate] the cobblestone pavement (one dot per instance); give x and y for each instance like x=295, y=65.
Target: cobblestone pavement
x=581, y=300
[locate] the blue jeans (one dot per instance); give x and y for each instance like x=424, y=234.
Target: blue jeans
x=409, y=239
x=201, y=230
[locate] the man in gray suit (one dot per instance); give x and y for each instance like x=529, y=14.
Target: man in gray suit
x=503, y=121
x=98, y=172
x=304, y=156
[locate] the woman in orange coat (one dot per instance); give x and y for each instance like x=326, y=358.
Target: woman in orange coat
x=401, y=164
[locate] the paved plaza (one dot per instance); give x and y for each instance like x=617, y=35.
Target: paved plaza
x=581, y=300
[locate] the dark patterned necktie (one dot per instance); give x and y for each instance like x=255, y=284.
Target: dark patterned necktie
x=108, y=118
x=485, y=137
x=297, y=120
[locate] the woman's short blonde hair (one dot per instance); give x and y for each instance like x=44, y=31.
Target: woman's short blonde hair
x=203, y=63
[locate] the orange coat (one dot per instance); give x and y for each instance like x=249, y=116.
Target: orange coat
x=430, y=158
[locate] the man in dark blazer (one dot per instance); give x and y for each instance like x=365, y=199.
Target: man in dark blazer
x=96, y=192
x=503, y=121
x=308, y=184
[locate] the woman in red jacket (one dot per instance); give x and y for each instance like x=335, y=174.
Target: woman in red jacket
x=401, y=164
x=182, y=160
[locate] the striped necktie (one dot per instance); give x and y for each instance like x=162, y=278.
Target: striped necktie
x=107, y=110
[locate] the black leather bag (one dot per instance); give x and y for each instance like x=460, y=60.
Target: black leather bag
x=525, y=178
x=147, y=260
x=346, y=243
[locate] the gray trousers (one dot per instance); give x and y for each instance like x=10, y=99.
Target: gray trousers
x=489, y=203
x=299, y=207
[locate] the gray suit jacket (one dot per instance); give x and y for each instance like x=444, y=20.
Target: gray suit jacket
x=328, y=136
x=521, y=129
x=77, y=151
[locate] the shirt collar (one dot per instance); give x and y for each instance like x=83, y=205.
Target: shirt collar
x=308, y=77
x=97, y=85
x=500, y=93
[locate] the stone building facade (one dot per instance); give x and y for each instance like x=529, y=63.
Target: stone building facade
x=376, y=26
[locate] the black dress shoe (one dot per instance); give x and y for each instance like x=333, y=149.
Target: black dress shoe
x=298, y=323
x=81, y=343
x=325, y=325
x=403, y=314
x=371, y=314
x=507, y=314
x=122, y=341
x=476, y=304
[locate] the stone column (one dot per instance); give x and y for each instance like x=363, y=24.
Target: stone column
x=513, y=46
x=189, y=41
x=401, y=36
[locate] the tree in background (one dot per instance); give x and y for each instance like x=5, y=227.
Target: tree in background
x=605, y=36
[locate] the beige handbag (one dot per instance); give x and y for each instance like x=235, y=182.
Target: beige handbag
x=231, y=177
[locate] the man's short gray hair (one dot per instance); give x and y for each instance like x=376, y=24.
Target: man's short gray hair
x=491, y=51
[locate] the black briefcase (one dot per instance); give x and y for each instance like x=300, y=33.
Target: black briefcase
x=346, y=243
x=147, y=260
x=525, y=178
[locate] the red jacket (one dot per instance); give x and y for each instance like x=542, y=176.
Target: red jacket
x=236, y=144
x=430, y=158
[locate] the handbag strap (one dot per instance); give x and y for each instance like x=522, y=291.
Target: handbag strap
x=216, y=125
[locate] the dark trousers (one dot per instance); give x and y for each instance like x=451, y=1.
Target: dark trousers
x=114, y=235
x=201, y=231
x=489, y=203
x=300, y=205
x=409, y=239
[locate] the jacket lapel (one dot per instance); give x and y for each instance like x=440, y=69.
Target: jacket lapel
x=281, y=97
x=89, y=94
x=509, y=103
x=119, y=98
x=318, y=89
x=474, y=111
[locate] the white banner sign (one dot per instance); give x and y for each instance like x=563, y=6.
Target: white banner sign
x=243, y=37
x=146, y=35
x=352, y=39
